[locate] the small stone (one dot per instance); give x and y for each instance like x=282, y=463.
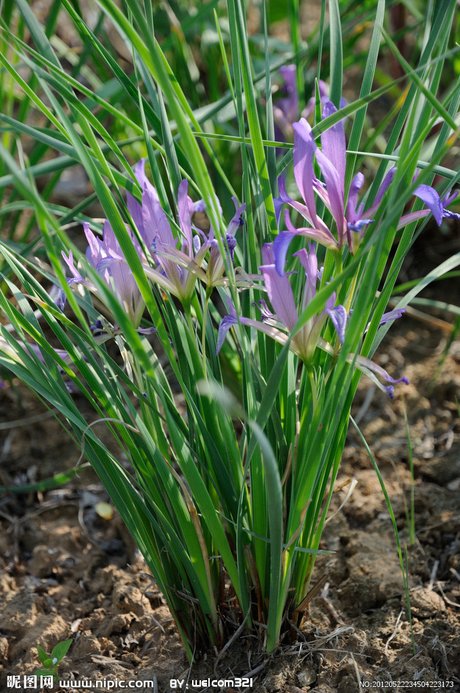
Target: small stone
x=306, y=677
x=3, y=649
x=454, y=485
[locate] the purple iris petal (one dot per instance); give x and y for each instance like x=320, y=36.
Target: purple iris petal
x=434, y=203
x=94, y=252
x=60, y=300
x=124, y=283
x=392, y=315
x=448, y=214
x=324, y=237
x=278, y=202
x=309, y=262
x=334, y=190
x=430, y=197
x=216, y=265
x=304, y=149
x=107, y=258
x=280, y=295
x=155, y=223
x=199, y=206
x=268, y=256
x=446, y=201
x=285, y=199
x=381, y=372
x=359, y=225
x=334, y=145
x=381, y=191
x=135, y=210
x=289, y=105
x=237, y=221
x=403, y=379
x=185, y=211
x=280, y=248
x=265, y=311
x=147, y=330
x=355, y=187
x=58, y=296
x=139, y=172
x=110, y=243
x=339, y=317
x=231, y=244
x=226, y=323
x=330, y=302
x=69, y=261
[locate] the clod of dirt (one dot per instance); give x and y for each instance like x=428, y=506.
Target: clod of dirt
x=374, y=573
x=426, y=602
x=306, y=676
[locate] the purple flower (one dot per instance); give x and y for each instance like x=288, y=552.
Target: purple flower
x=339, y=317
x=435, y=204
x=172, y=264
x=173, y=261
x=350, y=216
x=350, y=219
x=377, y=374
x=106, y=257
x=286, y=109
x=279, y=323
x=394, y=314
x=215, y=267
x=179, y=261
x=58, y=296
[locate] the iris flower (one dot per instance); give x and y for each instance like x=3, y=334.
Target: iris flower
x=286, y=109
x=279, y=323
x=179, y=262
x=106, y=257
x=350, y=218
x=173, y=263
x=436, y=205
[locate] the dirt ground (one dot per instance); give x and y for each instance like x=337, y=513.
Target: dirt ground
x=65, y=571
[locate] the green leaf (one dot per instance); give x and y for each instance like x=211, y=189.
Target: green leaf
x=60, y=650
x=43, y=656
x=336, y=69
x=45, y=672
